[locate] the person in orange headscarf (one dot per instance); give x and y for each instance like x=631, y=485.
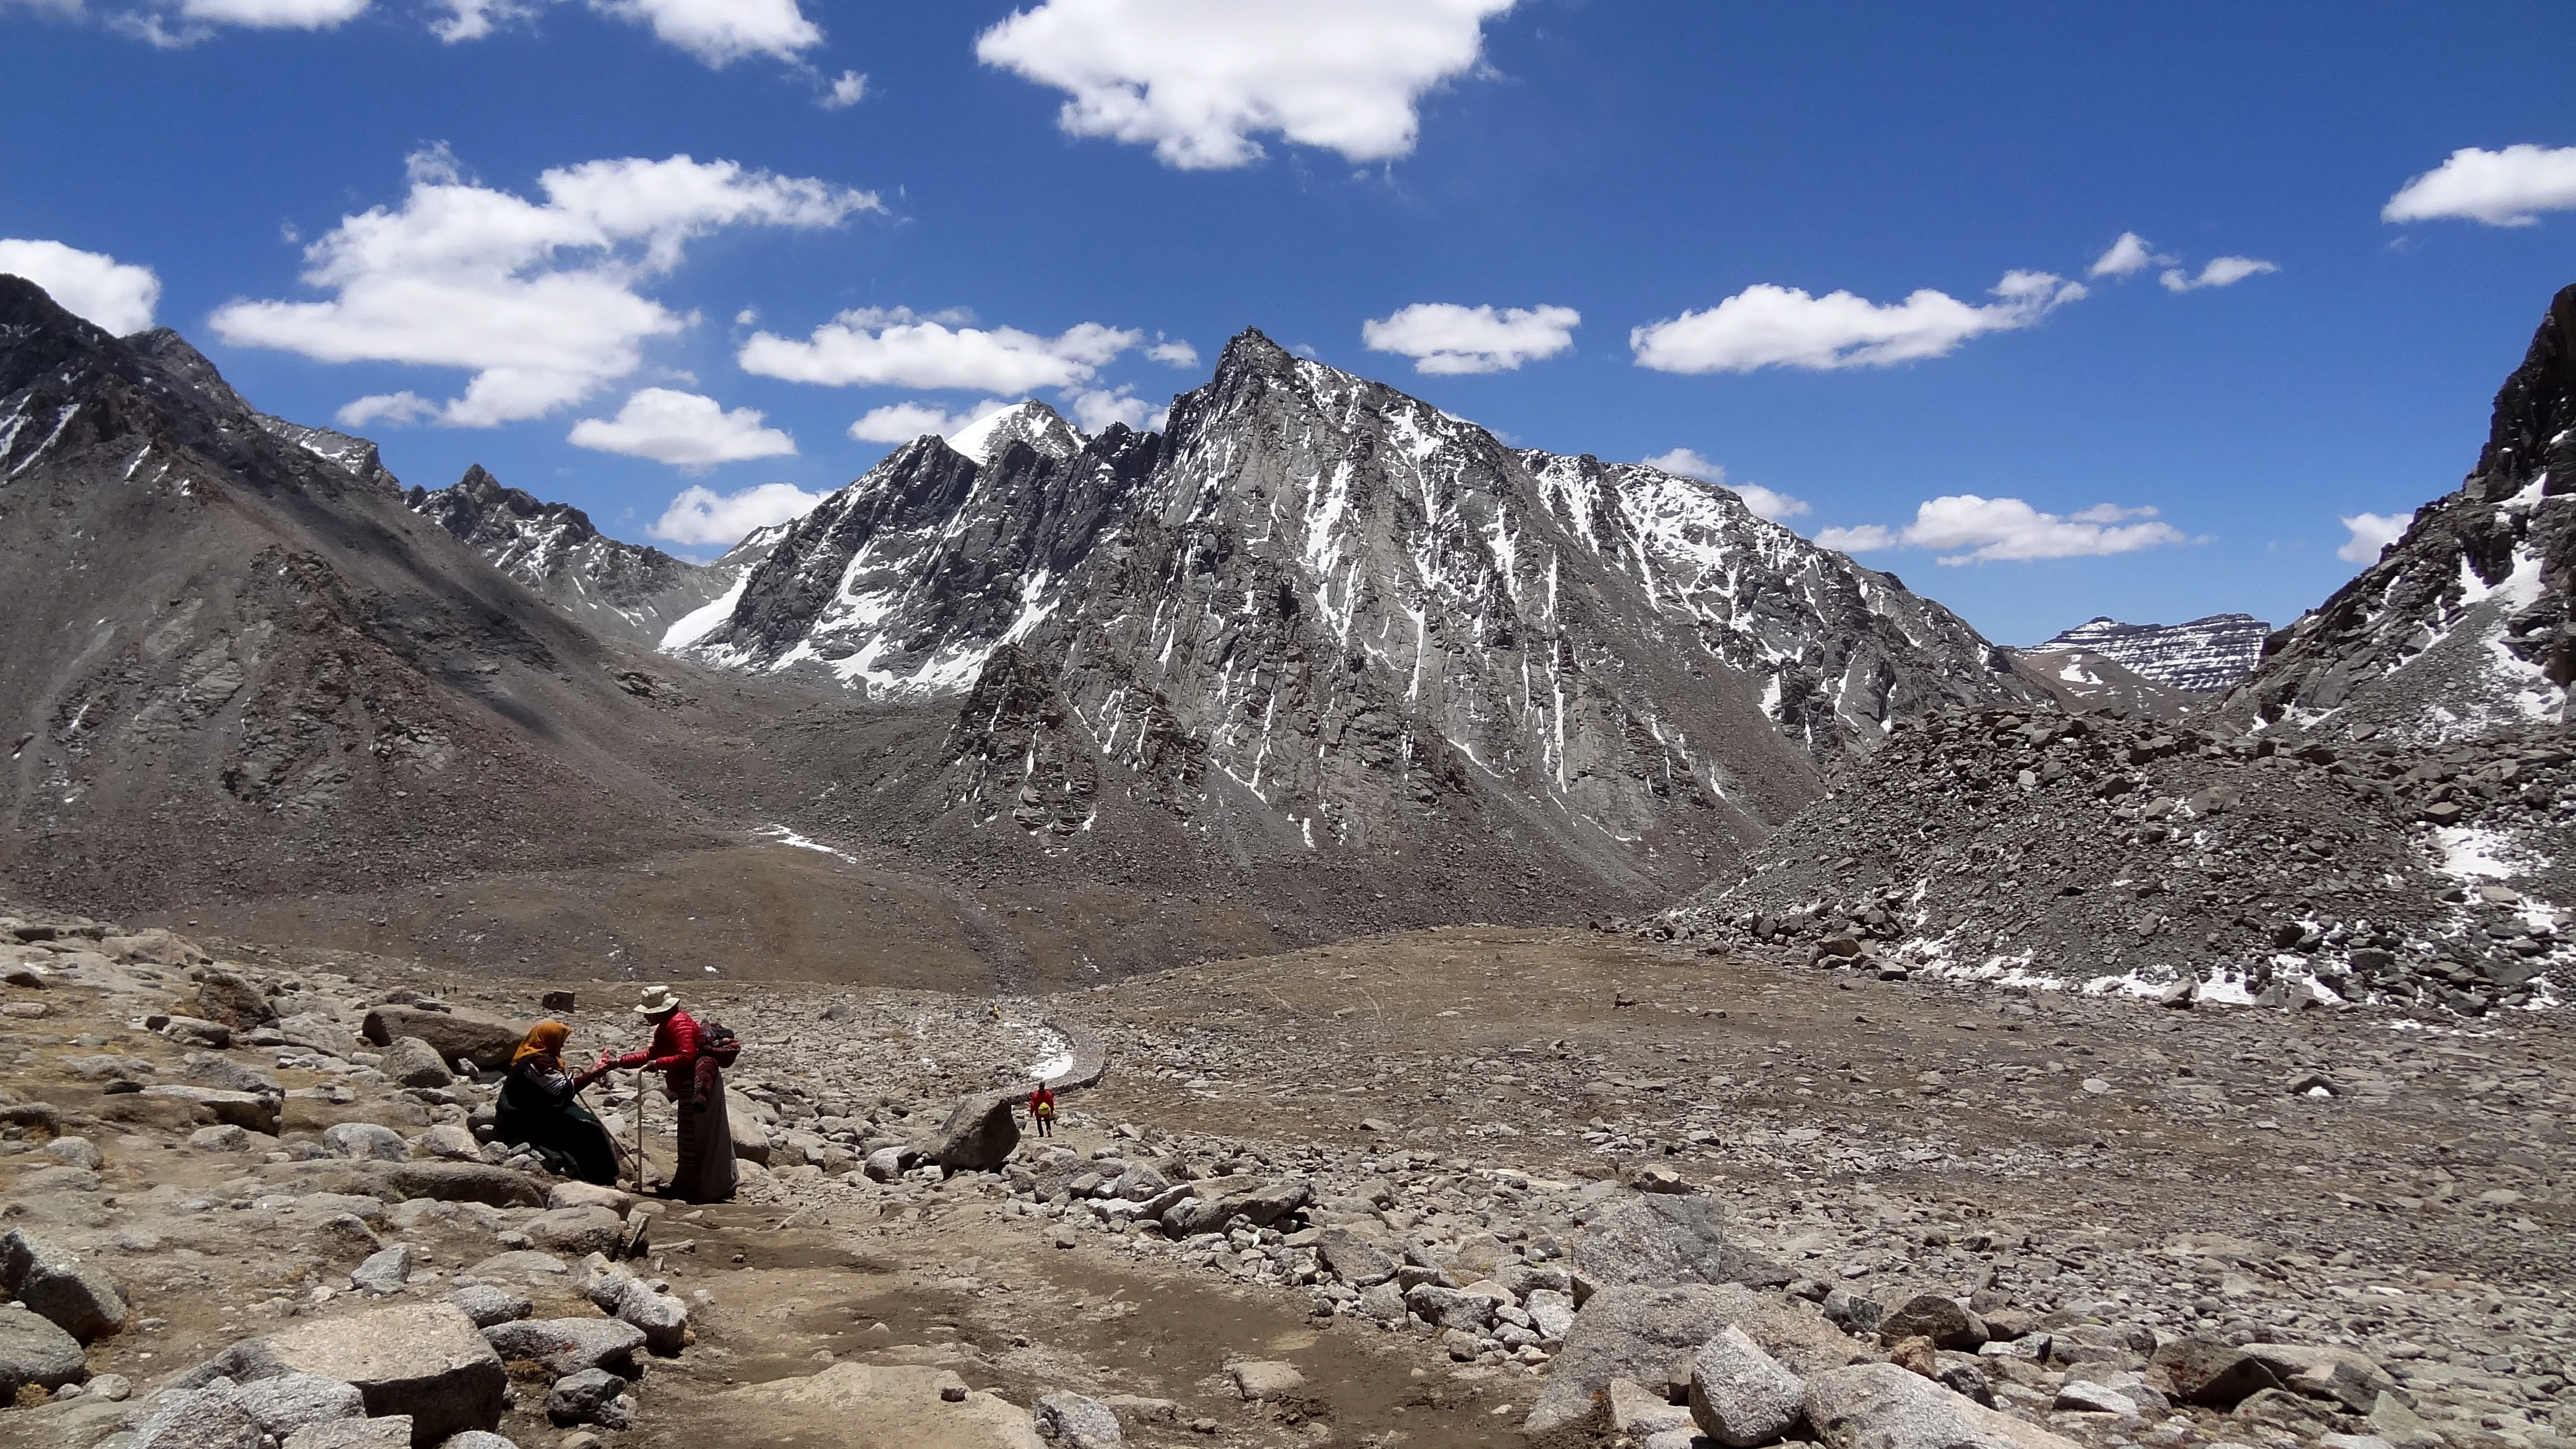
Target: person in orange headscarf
x=540, y=1109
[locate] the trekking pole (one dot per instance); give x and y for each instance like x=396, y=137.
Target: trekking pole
x=640, y=1186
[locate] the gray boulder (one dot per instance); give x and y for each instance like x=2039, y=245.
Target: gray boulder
x=1353, y=1259
x=450, y=1035
x=1209, y=1206
x=289, y=1401
x=1739, y=1395
x=35, y=1351
x=426, y=1360
x=489, y=1303
x=1881, y=1406
x=207, y=1418
x=1450, y=1308
x=1075, y=1422
x=410, y=1062
x=979, y=1134
x=314, y=1031
x=1634, y=1238
x=574, y=1231
x=1648, y=1335
x=2209, y=1373
x=2344, y=1375
x=225, y=997
x=364, y=1142
x=77, y=1297
x=569, y=1345
x=588, y=1397
x=384, y=1271
x=663, y=1319
x=477, y=1439
x=208, y=1069
x=1946, y=1321
x=251, y=1111
x=389, y=1433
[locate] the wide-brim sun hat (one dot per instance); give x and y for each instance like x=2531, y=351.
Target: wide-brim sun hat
x=656, y=1000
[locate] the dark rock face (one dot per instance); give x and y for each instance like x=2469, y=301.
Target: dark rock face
x=2201, y=657
x=357, y=456
x=1343, y=619
x=617, y=588
x=2463, y=624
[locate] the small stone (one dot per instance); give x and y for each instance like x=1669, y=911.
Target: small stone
x=1740, y=1395
x=1265, y=1379
x=223, y=1137
x=364, y=1142
x=2081, y=1397
x=1075, y=1422
x=587, y=1397
x=1946, y=1321
x=489, y=1303
x=384, y=1271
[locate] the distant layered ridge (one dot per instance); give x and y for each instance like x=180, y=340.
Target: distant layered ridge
x=2201, y=657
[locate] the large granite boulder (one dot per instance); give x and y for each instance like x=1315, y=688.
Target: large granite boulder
x=979, y=1134
x=1206, y=1207
x=34, y=1350
x=1649, y=1335
x=427, y=1360
x=77, y=1297
x=1881, y=1406
x=484, y=1042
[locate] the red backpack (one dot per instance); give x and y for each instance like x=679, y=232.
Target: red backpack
x=716, y=1040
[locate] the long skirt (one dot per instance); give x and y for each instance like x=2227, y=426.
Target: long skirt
x=567, y=1138
x=705, y=1170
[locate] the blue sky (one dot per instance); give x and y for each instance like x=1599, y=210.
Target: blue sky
x=1109, y=180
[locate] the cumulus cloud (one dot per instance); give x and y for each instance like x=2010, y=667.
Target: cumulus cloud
x=1763, y=502
x=118, y=296
x=1096, y=408
x=2221, y=272
x=1174, y=353
x=1443, y=337
x=706, y=518
x=463, y=20
x=400, y=408
x=847, y=90
x=1770, y=326
x=2372, y=532
x=1963, y=528
x=540, y=301
x=1197, y=79
x=721, y=32
x=2501, y=188
x=897, y=347
x=683, y=429
x=904, y=421
x=2128, y=256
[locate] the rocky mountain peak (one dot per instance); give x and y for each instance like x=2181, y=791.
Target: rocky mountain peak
x=624, y=589
x=1031, y=422
x=2463, y=625
x=2204, y=656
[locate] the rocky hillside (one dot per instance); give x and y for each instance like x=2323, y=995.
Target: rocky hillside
x=617, y=588
x=1338, y=618
x=2083, y=682
x=2462, y=625
x=232, y=665
x=2143, y=857
x=2201, y=657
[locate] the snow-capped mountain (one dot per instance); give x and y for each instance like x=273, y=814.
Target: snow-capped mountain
x=1031, y=422
x=2204, y=656
x=615, y=587
x=1335, y=604
x=2463, y=624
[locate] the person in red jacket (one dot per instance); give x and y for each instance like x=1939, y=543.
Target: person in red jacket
x=1042, y=1110
x=705, y=1170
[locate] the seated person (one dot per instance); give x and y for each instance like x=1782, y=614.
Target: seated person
x=539, y=1109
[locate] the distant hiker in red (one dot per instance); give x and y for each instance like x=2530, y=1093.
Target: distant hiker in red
x=692, y=1076
x=1042, y=1110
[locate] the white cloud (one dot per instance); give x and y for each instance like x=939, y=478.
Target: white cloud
x=1443, y=337
x=1771, y=326
x=1097, y=408
x=273, y=14
x=2372, y=532
x=904, y=421
x=1199, y=78
x=399, y=408
x=1964, y=528
x=2128, y=256
x=475, y=19
x=897, y=347
x=1763, y=502
x=721, y=32
x=2221, y=272
x=2501, y=188
x=682, y=428
x=705, y=517
x=846, y=91
x=118, y=296
x=1174, y=353
x=539, y=301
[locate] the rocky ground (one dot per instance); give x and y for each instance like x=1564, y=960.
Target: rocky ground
x=1456, y=1187
x=2196, y=857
